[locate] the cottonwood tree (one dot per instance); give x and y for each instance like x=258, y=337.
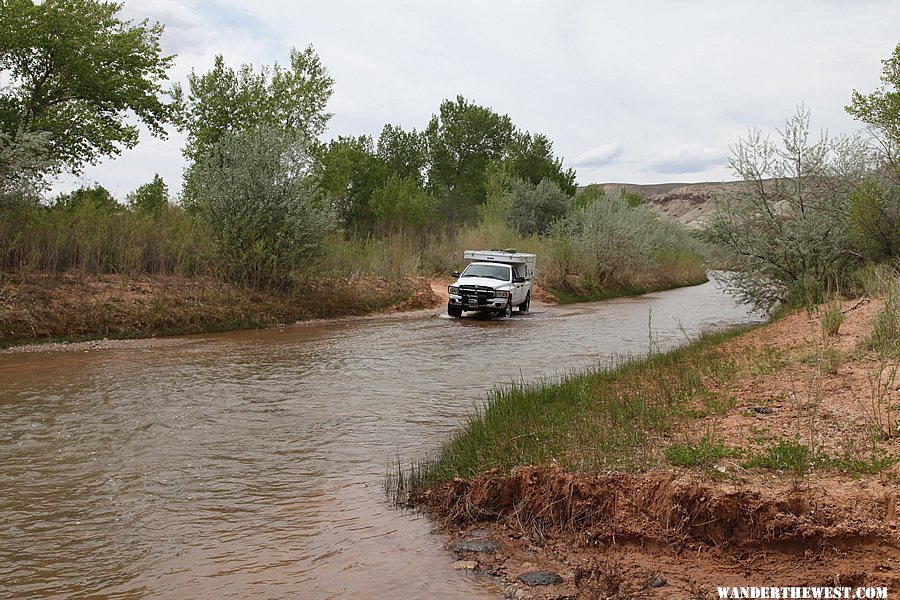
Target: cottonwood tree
x=530, y=158
x=461, y=141
x=403, y=153
x=74, y=72
x=400, y=204
x=880, y=110
x=349, y=173
x=787, y=227
x=224, y=100
x=359, y=175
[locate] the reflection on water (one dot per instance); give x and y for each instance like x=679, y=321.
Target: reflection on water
x=251, y=463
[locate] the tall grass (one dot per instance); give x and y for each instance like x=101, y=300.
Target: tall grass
x=95, y=240
x=392, y=256
x=885, y=335
x=832, y=318
x=611, y=246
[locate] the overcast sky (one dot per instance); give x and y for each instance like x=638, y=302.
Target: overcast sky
x=628, y=91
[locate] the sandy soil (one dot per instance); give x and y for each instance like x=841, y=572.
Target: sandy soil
x=679, y=533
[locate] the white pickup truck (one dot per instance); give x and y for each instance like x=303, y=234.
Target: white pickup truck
x=494, y=282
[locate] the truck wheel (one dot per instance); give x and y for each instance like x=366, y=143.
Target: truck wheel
x=527, y=304
x=454, y=311
x=507, y=312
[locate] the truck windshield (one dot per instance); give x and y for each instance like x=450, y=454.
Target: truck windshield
x=500, y=272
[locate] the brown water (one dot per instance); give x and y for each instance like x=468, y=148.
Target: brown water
x=251, y=464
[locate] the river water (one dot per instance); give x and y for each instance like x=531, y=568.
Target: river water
x=250, y=464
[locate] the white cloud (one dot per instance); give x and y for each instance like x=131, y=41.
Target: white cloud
x=185, y=30
x=601, y=155
x=689, y=158
x=667, y=80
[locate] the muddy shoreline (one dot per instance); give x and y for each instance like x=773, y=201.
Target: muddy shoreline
x=667, y=534
x=679, y=532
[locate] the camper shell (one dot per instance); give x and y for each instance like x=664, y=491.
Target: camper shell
x=494, y=282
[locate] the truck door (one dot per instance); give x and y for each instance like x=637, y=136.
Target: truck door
x=518, y=296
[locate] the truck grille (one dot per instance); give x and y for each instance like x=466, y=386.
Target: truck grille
x=480, y=292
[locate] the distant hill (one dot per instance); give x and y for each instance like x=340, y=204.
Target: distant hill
x=687, y=203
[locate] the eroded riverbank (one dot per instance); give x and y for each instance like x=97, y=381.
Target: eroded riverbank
x=42, y=307
x=772, y=458
x=251, y=463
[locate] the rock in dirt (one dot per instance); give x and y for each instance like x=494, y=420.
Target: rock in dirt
x=760, y=410
x=464, y=565
x=539, y=578
x=658, y=582
x=475, y=546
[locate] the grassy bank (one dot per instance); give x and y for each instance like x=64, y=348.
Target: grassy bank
x=810, y=392
x=70, y=307
x=612, y=417
x=91, y=269
x=746, y=455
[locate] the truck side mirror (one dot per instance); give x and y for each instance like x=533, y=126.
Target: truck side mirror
x=455, y=274
x=518, y=280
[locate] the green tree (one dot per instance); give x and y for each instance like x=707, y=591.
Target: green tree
x=875, y=218
x=96, y=198
x=461, y=141
x=150, y=198
x=530, y=157
x=291, y=98
x=256, y=192
x=875, y=205
x=401, y=204
x=350, y=172
x=75, y=71
x=403, y=153
x=880, y=110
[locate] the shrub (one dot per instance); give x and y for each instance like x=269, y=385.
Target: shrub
x=788, y=227
x=534, y=208
x=255, y=193
x=609, y=245
x=885, y=335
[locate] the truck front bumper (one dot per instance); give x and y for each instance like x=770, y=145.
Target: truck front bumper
x=467, y=302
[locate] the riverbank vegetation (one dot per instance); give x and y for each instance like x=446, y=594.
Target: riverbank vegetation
x=682, y=407
x=265, y=204
x=74, y=307
x=784, y=438
x=814, y=211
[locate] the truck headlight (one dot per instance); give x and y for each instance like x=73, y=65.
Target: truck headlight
x=501, y=294
x=454, y=290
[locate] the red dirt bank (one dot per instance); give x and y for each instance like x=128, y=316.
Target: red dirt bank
x=610, y=535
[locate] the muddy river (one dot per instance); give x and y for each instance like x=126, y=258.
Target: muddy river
x=251, y=464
